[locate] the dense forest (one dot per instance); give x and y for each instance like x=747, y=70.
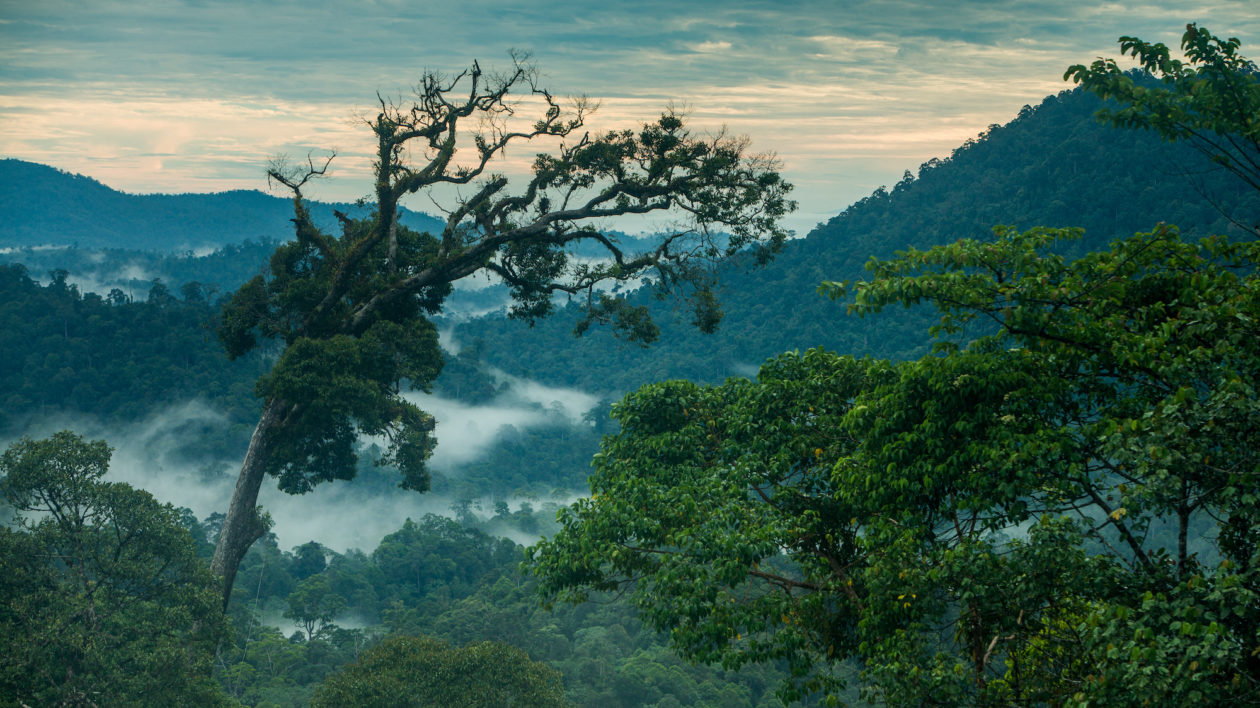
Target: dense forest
x=1026, y=477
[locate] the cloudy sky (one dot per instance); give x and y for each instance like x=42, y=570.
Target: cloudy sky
x=196, y=95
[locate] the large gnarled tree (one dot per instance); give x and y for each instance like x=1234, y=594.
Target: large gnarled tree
x=352, y=309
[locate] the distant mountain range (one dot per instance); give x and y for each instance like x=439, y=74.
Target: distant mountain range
x=44, y=206
x=1052, y=165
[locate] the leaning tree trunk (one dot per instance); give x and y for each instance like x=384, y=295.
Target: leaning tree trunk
x=242, y=525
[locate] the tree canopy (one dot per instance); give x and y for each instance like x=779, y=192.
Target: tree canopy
x=408, y=671
x=1012, y=520
x=352, y=310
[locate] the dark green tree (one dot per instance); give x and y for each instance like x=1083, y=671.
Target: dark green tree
x=309, y=559
x=403, y=671
x=351, y=310
x=106, y=601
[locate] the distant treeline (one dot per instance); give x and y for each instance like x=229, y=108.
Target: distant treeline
x=114, y=357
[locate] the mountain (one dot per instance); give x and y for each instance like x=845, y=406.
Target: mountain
x=1053, y=165
x=44, y=206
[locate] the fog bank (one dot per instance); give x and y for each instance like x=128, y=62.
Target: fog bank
x=340, y=515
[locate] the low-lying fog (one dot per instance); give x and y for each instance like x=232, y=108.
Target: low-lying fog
x=338, y=514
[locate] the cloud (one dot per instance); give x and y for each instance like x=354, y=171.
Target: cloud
x=465, y=432
x=709, y=47
x=192, y=96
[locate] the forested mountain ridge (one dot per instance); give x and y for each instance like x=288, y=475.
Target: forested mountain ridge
x=42, y=205
x=1053, y=165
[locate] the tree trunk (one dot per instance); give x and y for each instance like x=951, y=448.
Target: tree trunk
x=242, y=525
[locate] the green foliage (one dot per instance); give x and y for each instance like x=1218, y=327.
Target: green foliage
x=1120, y=387
x=105, y=598
x=1018, y=520
x=715, y=506
x=419, y=671
x=457, y=584
x=66, y=351
x=314, y=605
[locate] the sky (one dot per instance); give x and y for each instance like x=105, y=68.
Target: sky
x=197, y=95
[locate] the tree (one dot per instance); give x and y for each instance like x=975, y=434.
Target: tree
x=309, y=559
x=417, y=671
x=352, y=310
x=1065, y=510
x=1119, y=390
x=1210, y=101
x=314, y=605
x=714, y=507
x=105, y=598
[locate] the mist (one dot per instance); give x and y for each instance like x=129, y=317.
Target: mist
x=339, y=515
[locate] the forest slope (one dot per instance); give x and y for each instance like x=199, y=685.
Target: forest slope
x=1053, y=165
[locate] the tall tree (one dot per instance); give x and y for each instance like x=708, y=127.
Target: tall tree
x=352, y=310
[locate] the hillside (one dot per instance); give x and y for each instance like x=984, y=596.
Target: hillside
x=41, y=205
x=1053, y=165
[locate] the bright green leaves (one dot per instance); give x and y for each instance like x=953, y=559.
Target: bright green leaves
x=954, y=435
x=1119, y=388
x=715, y=505
x=1192, y=643
x=916, y=516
